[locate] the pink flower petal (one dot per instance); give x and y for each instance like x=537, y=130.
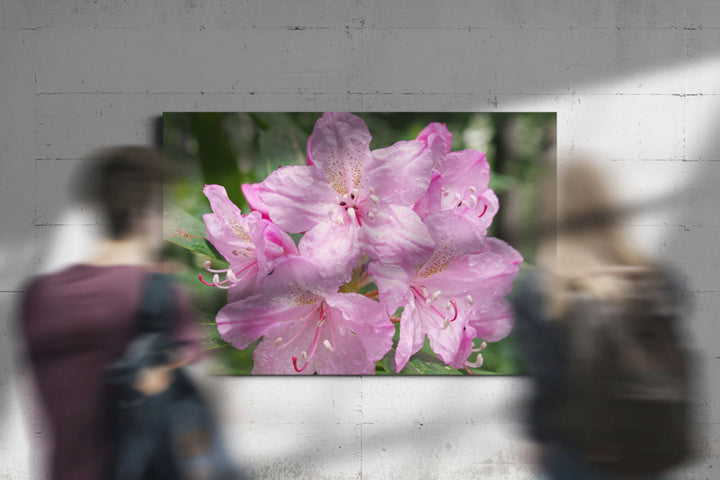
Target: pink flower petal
x=396, y=235
x=430, y=202
x=393, y=284
x=241, y=323
x=365, y=320
x=334, y=247
x=400, y=174
x=339, y=147
x=270, y=241
x=297, y=197
x=226, y=227
x=450, y=343
x=412, y=336
x=252, y=195
x=489, y=272
x=438, y=140
x=493, y=320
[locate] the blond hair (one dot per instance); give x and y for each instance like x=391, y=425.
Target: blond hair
x=583, y=247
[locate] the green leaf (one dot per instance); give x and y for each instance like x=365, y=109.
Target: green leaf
x=217, y=155
x=421, y=363
x=282, y=142
x=424, y=364
x=184, y=230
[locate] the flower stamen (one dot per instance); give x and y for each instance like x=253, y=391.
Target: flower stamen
x=427, y=301
x=482, y=347
x=304, y=355
x=454, y=306
x=297, y=334
x=231, y=278
x=477, y=363
x=483, y=212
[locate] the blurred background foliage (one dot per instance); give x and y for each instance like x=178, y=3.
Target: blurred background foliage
x=235, y=148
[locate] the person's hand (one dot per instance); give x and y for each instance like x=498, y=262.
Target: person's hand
x=154, y=380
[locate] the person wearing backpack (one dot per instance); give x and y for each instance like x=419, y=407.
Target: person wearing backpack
x=78, y=321
x=596, y=323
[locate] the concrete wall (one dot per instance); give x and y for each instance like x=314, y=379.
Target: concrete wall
x=638, y=81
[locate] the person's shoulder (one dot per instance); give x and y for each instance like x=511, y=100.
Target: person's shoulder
x=527, y=283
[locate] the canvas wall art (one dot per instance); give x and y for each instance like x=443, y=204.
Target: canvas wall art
x=345, y=243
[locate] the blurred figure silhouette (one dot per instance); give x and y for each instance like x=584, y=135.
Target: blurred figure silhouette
x=79, y=320
x=597, y=324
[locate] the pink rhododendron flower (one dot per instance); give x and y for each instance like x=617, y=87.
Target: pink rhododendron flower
x=306, y=325
x=411, y=218
x=348, y=199
x=249, y=243
x=455, y=295
x=460, y=179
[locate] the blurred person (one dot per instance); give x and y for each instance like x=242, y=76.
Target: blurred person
x=596, y=324
x=78, y=321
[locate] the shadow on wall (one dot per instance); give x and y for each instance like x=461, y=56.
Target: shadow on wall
x=695, y=226
x=692, y=244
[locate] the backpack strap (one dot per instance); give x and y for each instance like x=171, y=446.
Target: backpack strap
x=155, y=304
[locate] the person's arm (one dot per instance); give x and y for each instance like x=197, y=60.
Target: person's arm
x=186, y=335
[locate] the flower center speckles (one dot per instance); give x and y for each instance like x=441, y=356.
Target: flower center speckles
x=300, y=297
x=343, y=170
x=238, y=230
x=438, y=262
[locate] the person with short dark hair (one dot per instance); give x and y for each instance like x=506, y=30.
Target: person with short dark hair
x=79, y=320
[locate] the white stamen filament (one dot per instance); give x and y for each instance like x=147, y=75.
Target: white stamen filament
x=231, y=276
x=436, y=295
x=207, y=265
x=482, y=347
x=472, y=190
x=327, y=345
x=470, y=300
x=374, y=198
x=458, y=197
x=371, y=190
x=477, y=363
x=303, y=356
x=474, y=200
x=278, y=341
x=425, y=291
x=446, y=323
x=371, y=215
x=351, y=212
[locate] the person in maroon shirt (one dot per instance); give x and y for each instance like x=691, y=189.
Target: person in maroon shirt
x=81, y=319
